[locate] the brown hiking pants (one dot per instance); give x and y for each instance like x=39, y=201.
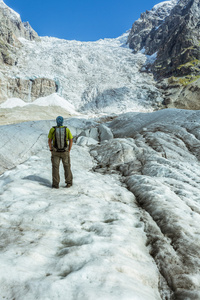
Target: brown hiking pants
x=55, y=159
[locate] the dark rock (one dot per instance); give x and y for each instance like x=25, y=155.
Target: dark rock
x=147, y=26
x=26, y=89
x=173, y=32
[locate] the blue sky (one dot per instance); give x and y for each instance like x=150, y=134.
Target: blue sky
x=83, y=20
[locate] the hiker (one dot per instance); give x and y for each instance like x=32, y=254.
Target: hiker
x=60, y=150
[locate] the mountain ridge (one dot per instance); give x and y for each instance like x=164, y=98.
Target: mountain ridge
x=175, y=40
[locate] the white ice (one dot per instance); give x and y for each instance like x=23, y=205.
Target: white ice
x=55, y=100
x=95, y=77
x=86, y=242
x=128, y=228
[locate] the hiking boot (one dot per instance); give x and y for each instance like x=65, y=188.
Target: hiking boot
x=55, y=187
x=68, y=185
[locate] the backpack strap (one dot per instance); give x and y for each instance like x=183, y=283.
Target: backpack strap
x=56, y=145
x=65, y=137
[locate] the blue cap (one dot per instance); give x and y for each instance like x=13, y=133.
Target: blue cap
x=59, y=121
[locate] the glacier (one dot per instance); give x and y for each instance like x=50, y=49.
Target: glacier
x=127, y=228
x=95, y=77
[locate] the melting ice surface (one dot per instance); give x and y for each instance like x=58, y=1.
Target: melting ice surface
x=129, y=226
x=83, y=243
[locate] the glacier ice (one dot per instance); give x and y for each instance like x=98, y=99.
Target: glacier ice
x=128, y=226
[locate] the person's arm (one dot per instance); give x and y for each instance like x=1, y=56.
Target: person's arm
x=50, y=144
x=70, y=144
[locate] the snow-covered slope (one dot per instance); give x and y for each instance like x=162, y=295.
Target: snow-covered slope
x=97, y=239
x=13, y=15
x=15, y=110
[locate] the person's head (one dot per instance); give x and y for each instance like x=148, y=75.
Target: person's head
x=59, y=121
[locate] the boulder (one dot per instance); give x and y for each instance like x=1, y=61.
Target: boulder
x=105, y=133
x=91, y=133
x=85, y=141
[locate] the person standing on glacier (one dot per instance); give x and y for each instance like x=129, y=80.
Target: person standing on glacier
x=58, y=138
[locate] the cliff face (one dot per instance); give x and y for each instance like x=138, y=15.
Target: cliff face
x=172, y=31
x=179, y=52
x=27, y=89
x=12, y=28
x=146, y=26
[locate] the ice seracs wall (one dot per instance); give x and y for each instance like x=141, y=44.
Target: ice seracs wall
x=95, y=76
x=100, y=76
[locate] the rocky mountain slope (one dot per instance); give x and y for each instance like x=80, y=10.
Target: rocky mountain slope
x=11, y=29
x=141, y=32
x=171, y=30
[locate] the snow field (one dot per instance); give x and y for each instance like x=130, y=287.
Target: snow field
x=13, y=102
x=79, y=243
x=51, y=100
